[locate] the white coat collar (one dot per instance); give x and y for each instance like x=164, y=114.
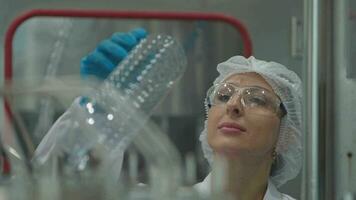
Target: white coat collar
x=271, y=194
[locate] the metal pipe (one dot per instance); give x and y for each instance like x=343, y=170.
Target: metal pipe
x=317, y=72
x=311, y=100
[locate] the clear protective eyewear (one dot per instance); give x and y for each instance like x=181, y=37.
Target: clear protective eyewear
x=250, y=97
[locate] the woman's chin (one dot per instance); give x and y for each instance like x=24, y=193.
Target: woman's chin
x=229, y=152
x=228, y=145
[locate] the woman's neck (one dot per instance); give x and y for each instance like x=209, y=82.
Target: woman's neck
x=247, y=178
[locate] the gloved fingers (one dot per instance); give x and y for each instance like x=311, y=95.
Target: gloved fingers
x=126, y=40
x=110, y=52
x=96, y=64
x=129, y=40
x=92, y=70
x=139, y=33
x=114, y=52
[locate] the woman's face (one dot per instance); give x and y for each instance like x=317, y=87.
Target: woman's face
x=234, y=130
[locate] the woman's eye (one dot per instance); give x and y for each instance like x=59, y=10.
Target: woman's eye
x=223, y=97
x=260, y=101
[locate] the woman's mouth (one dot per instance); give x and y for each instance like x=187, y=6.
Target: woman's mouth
x=231, y=128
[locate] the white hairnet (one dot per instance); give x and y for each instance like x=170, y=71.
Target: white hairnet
x=287, y=85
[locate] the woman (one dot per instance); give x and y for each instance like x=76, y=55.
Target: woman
x=254, y=123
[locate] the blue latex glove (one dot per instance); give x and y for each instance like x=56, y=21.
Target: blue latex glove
x=107, y=55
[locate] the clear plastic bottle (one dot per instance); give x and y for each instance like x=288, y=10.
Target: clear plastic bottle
x=101, y=121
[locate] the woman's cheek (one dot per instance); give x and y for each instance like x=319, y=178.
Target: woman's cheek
x=263, y=133
x=213, y=120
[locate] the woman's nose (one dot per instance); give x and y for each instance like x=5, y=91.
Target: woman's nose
x=234, y=105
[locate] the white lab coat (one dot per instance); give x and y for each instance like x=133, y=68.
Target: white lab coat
x=271, y=194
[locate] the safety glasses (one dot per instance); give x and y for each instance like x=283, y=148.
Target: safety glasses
x=255, y=98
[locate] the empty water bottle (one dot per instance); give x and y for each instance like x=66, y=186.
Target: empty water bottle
x=101, y=121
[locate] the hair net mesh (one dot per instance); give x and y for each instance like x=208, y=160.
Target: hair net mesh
x=287, y=85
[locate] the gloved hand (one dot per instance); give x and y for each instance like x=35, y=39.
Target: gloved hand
x=107, y=55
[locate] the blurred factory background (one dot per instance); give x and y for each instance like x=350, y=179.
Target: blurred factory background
x=316, y=39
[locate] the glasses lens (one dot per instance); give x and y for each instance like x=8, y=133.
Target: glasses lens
x=221, y=93
x=259, y=98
